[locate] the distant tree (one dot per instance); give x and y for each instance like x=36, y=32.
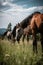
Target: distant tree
x=9, y=28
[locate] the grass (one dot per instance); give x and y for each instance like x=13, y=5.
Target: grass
x=19, y=54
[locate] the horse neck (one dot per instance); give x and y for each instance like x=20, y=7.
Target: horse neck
x=42, y=17
x=14, y=31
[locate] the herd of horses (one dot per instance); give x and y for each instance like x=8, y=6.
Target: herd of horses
x=31, y=25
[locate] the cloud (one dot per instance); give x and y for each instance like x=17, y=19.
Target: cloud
x=39, y=8
x=17, y=8
x=20, y=9
x=16, y=13
x=5, y=3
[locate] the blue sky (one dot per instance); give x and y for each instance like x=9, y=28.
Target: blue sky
x=15, y=11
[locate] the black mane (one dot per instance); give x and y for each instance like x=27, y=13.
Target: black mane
x=26, y=21
x=14, y=31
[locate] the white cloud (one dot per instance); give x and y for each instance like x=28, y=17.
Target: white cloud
x=17, y=8
x=39, y=8
x=4, y=3
x=16, y=13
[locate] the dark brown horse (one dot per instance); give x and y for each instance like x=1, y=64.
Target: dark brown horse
x=37, y=27
x=24, y=24
x=27, y=32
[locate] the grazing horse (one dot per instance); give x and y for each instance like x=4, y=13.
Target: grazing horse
x=26, y=32
x=37, y=27
x=7, y=34
x=4, y=34
x=24, y=24
x=18, y=30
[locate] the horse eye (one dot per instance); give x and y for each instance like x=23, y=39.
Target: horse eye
x=18, y=30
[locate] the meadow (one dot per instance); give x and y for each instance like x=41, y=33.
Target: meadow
x=19, y=54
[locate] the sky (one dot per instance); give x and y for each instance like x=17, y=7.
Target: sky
x=15, y=11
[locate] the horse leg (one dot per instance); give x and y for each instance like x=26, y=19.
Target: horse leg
x=8, y=37
x=18, y=39
x=23, y=38
x=28, y=38
x=34, y=43
x=42, y=42
x=2, y=37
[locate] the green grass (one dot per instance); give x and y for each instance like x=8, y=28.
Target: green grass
x=19, y=54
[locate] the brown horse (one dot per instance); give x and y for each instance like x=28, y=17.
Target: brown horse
x=27, y=32
x=37, y=27
x=23, y=24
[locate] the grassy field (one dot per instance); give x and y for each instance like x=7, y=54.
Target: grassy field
x=19, y=54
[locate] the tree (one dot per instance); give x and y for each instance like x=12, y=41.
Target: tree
x=9, y=28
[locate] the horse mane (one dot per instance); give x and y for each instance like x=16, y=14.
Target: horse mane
x=37, y=12
x=26, y=21
x=14, y=31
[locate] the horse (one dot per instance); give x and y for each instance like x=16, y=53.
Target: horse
x=14, y=32
x=7, y=34
x=36, y=26
x=24, y=24
x=27, y=32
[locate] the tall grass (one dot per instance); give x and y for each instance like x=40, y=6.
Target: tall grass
x=19, y=54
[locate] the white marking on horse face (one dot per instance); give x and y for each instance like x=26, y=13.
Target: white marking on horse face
x=16, y=33
x=8, y=33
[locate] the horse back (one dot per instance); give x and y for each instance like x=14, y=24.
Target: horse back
x=36, y=20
